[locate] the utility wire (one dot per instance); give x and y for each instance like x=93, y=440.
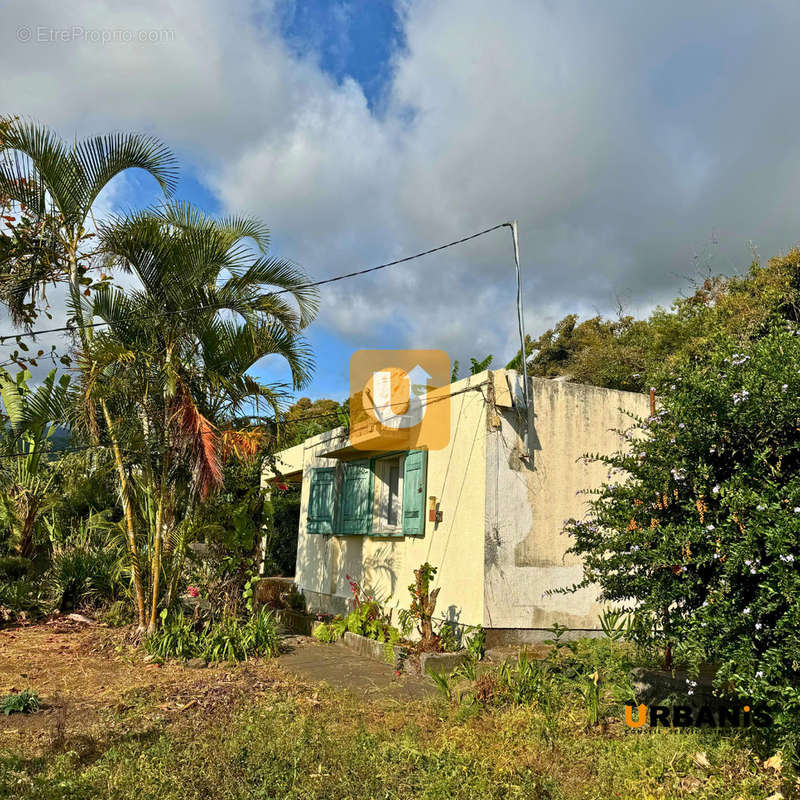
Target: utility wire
x=310, y=285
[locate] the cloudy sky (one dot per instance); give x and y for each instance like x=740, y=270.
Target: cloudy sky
x=636, y=143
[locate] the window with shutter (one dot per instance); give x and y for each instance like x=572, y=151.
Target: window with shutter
x=321, y=496
x=414, y=493
x=355, y=499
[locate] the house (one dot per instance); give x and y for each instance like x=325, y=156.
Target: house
x=482, y=510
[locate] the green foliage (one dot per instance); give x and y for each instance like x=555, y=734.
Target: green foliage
x=117, y=614
x=629, y=354
x=23, y=702
x=423, y=604
x=442, y=683
x=326, y=632
x=176, y=638
x=229, y=639
x=449, y=634
x=366, y=619
x=232, y=640
x=281, y=546
x=696, y=530
x=306, y=418
x=25, y=480
x=20, y=599
x=475, y=643
x=85, y=575
x=14, y=568
x=476, y=367
x=615, y=624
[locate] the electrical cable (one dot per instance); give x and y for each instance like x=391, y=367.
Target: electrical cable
x=310, y=285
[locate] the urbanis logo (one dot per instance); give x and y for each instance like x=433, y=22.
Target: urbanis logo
x=696, y=717
x=399, y=399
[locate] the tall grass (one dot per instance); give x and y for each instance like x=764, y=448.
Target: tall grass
x=229, y=639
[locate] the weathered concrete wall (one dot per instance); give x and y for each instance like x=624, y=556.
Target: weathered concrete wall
x=385, y=565
x=528, y=501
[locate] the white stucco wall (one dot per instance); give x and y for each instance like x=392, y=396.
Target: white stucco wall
x=527, y=502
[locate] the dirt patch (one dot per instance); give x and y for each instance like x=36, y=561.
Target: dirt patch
x=91, y=679
x=96, y=686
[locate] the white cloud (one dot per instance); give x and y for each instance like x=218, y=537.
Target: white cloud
x=622, y=136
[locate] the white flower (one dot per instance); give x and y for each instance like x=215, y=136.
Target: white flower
x=760, y=508
x=759, y=674
x=746, y=610
x=709, y=527
x=759, y=626
x=716, y=489
x=797, y=509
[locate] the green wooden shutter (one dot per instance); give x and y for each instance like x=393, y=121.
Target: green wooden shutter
x=321, y=495
x=414, y=493
x=355, y=499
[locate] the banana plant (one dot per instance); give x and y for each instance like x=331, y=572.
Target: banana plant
x=31, y=418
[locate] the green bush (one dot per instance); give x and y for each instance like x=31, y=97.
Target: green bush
x=699, y=536
x=20, y=598
x=23, y=702
x=176, y=638
x=229, y=639
x=14, y=568
x=366, y=619
x=117, y=614
x=83, y=575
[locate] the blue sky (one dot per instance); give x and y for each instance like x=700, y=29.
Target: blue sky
x=355, y=39
x=639, y=145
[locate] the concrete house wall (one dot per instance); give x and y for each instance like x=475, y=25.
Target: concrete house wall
x=499, y=546
x=527, y=502
x=385, y=565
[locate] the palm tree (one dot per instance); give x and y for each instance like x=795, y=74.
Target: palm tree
x=170, y=367
x=56, y=184
x=31, y=416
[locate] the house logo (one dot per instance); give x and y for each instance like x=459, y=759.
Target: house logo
x=399, y=399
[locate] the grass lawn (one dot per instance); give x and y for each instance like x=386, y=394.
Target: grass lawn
x=113, y=726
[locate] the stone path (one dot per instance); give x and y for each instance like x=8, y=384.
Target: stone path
x=341, y=668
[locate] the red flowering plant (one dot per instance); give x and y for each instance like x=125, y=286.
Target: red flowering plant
x=697, y=530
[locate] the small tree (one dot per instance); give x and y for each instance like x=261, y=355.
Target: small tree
x=697, y=529
x=423, y=604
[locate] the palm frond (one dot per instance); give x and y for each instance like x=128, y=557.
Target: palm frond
x=101, y=158
x=200, y=436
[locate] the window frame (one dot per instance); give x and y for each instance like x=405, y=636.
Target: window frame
x=385, y=530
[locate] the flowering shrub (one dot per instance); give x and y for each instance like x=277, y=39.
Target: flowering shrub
x=697, y=529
